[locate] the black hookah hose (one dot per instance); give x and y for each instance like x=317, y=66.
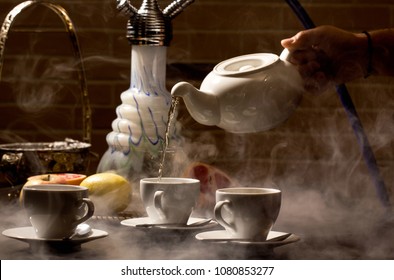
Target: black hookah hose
x=353, y=117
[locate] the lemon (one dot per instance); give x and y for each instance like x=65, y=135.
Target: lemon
x=110, y=192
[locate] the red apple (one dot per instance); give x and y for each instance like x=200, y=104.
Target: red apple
x=59, y=178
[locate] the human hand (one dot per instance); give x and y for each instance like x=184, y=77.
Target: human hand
x=326, y=56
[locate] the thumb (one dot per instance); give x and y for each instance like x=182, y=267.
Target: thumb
x=288, y=43
x=302, y=40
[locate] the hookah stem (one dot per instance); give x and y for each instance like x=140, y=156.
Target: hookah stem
x=353, y=117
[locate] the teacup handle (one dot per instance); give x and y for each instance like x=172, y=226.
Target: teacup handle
x=218, y=215
x=157, y=198
x=89, y=213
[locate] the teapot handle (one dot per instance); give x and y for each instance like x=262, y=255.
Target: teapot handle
x=284, y=55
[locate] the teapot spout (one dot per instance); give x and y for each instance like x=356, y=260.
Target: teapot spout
x=202, y=106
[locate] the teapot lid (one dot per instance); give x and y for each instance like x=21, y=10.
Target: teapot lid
x=245, y=64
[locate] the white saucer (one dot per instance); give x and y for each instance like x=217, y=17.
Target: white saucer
x=27, y=234
x=134, y=222
x=222, y=236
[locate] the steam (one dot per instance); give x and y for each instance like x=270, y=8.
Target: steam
x=328, y=197
x=334, y=209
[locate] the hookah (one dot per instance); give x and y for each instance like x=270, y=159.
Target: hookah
x=138, y=132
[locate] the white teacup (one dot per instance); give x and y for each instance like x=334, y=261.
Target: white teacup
x=55, y=210
x=169, y=200
x=247, y=213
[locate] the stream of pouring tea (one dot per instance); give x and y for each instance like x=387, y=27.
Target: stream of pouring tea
x=171, y=115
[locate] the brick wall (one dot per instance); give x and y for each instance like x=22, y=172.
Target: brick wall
x=321, y=147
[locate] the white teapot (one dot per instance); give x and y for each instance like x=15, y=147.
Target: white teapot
x=244, y=94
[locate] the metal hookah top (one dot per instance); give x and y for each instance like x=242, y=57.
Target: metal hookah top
x=149, y=25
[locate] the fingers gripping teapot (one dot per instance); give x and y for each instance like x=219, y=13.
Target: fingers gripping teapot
x=244, y=94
